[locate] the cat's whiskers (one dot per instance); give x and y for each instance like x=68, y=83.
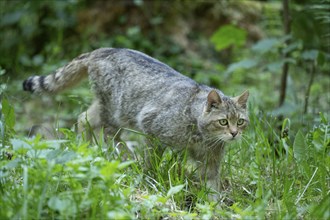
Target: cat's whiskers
x=213, y=141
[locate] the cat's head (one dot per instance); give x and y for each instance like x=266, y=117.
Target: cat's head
x=224, y=118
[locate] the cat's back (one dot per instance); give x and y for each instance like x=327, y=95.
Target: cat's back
x=123, y=57
x=134, y=65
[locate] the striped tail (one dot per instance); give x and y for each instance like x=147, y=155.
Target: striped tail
x=63, y=78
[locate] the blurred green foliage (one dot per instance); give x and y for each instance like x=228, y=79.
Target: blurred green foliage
x=34, y=31
x=228, y=45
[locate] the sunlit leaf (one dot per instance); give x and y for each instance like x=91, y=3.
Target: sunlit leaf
x=300, y=147
x=318, y=139
x=228, y=35
x=175, y=189
x=109, y=169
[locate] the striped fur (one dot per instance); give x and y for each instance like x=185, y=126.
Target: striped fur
x=75, y=71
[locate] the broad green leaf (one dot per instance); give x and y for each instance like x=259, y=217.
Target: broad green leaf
x=53, y=154
x=300, y=149
x=291, y=47
x=319, y=137
x=109, y=169
x=244, y=64
x=310, y=54
x=13, y=163
x=55, y=203
x=265, y=45
x=290, y=60
x=175, y=189
x=65, y=157
x=275, y=66
x=19, y=144
x=228, y=35
x=11, y=18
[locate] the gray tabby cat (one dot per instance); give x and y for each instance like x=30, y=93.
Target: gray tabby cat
x=137, y=91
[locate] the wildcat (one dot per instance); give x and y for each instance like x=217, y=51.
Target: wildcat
x=137, y=91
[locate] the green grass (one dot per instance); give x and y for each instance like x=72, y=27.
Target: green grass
x=279, y=170
x=274, y=172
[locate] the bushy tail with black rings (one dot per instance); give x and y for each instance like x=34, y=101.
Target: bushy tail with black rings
x=61, y=79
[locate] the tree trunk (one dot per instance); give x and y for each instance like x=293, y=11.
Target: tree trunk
x=285, y=69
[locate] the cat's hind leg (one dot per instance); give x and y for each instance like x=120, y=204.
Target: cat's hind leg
x=89, y=122
x=94, y=120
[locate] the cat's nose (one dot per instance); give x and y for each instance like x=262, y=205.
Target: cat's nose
x=234, y=133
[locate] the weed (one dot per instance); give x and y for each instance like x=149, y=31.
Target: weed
x=265, y=175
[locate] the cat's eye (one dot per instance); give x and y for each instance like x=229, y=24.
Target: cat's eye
x=240, y=121
x=223, y=122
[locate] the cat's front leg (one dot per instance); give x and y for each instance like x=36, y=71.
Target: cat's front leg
x=213, y=176
x=212, y=173
x=209, y=169
x=213, y=184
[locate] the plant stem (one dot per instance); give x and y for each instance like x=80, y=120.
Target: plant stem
x=311, y=80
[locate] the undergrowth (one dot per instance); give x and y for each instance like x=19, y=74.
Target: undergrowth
x=271, y=173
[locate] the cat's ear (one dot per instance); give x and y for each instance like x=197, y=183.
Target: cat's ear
x=213, y=100
x=241, y=100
